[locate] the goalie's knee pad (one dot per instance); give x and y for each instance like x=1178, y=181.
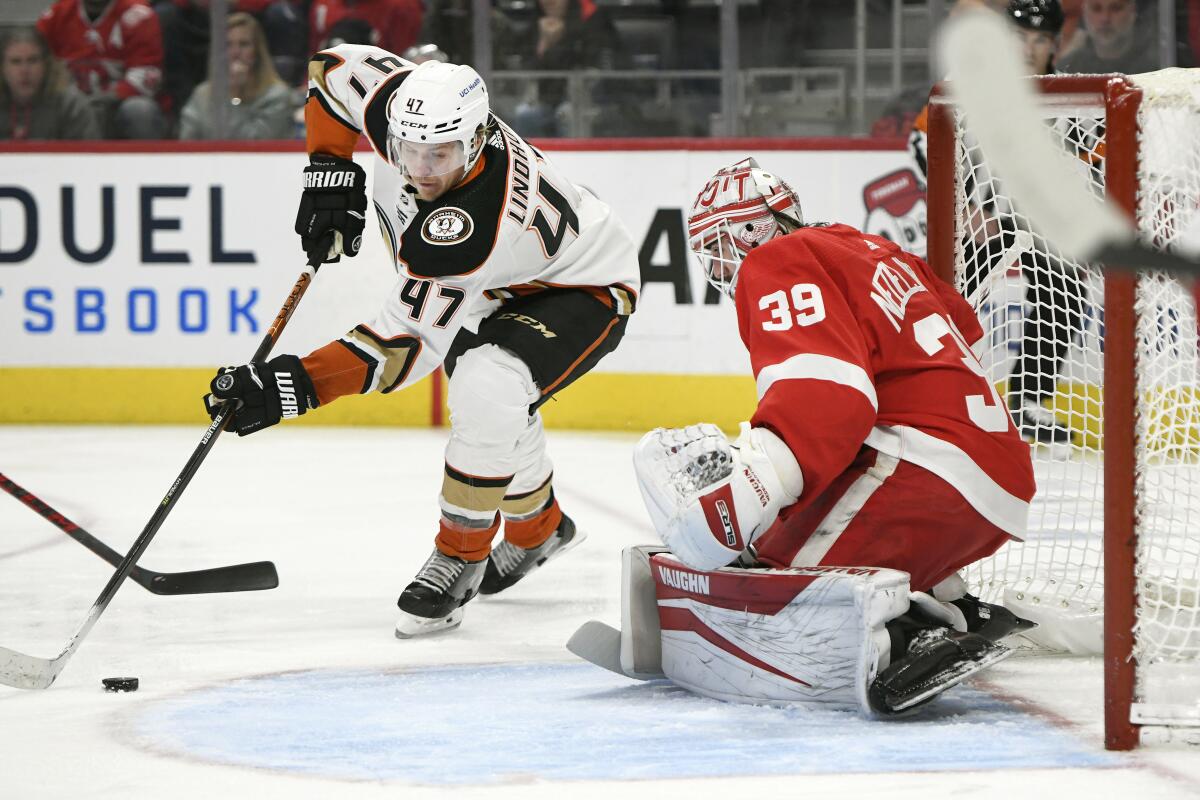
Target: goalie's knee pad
x=811, y=635
x=709, y=499
x=489, y=398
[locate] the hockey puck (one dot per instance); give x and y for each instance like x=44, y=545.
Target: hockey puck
x=120, y=684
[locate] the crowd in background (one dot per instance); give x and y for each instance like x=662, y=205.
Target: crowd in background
x=132, y=69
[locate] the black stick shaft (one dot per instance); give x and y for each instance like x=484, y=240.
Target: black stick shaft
x=201, y=452
x=189, y=469
x=233, y=578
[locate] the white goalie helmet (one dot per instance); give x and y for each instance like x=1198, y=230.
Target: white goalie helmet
x=740, y=207
x=438, y=104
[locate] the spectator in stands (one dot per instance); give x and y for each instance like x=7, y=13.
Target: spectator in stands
x=901, y=111
x=447, y=23
x=261, y=105
x=37, y=98
x=396, y=23
x=569, y=35
x=185, y=30
x=351, y=31
x=1187, y=33
x=1073, y=35
x=114, y=50
x=1114, y=41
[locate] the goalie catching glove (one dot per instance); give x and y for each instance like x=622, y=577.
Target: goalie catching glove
x=261, y=393
x=331, y=216
x=709, y=499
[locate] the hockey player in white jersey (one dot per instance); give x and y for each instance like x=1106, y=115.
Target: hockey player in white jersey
x=514, y=278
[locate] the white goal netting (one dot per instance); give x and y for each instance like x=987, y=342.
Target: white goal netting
x=1044, y=322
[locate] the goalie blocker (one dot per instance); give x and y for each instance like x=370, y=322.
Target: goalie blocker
x=843, y=637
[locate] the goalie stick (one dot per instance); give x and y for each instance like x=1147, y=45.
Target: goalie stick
x=987, y=80
x=30, y=672
x=234, y=578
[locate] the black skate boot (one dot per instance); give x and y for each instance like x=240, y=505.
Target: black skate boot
x=926, y=661
x=433, y=601
x=509, y=563
x=992, y=622
x=1037, y=423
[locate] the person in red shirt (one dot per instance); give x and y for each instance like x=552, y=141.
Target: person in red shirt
x=396, y=23
x=114, y=50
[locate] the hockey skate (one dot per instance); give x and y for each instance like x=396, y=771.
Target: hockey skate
x=928, y=658
x=937, y=659
x=433, y=602
x=1038, y=424
x=509, y=563
x=992, y=622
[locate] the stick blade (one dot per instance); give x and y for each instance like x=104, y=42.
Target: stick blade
x=254, y=577
x=987, y=78
x=27, y=672
x=600, y=644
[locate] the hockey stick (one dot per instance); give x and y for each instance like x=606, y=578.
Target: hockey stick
x=30, y=672
x=988, y=80
x=235, y=578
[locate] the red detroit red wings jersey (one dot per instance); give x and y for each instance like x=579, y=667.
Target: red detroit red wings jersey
x=120, y=52
x=853, y=340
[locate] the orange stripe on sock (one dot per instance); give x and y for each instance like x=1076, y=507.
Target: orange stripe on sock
x=469, y=544
x=532, y=532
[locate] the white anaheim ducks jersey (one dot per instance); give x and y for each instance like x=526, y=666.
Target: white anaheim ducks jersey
x=515, y=224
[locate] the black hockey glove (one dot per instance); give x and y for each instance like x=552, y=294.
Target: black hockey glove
x=331, y=216
x=262, y=392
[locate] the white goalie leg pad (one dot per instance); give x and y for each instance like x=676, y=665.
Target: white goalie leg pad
x=806, y=635
x=635, y=650
x=709, y=499
x=641, y=637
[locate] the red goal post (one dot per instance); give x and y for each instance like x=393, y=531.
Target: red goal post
x=1131, y=433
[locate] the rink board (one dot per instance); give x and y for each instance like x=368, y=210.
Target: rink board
x=150, y=269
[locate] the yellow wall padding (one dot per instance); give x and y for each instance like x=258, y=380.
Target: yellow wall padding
x=598, y=401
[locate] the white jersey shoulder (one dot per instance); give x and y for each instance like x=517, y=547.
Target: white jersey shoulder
x=353, y=83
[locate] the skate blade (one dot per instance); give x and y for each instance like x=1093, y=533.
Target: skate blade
x=410, y=626
x=571, y=545
x=578, y=539
x=949, y=679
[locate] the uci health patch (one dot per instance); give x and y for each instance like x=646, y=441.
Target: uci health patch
x=518, y=722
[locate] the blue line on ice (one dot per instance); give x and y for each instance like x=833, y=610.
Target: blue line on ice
x=518, y=722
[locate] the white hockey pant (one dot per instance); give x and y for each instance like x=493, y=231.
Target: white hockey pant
x=492, y=433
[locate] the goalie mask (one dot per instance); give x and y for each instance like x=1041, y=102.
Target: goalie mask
x=740, y=208
x=435, y=120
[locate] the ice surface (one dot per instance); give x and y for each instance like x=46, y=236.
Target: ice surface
x=304, y=692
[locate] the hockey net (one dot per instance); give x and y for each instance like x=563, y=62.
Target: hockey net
x=1104, y=374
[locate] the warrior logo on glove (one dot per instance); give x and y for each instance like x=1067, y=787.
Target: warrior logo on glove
x=262, y=393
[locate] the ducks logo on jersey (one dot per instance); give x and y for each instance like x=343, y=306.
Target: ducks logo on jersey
x=447, y=226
